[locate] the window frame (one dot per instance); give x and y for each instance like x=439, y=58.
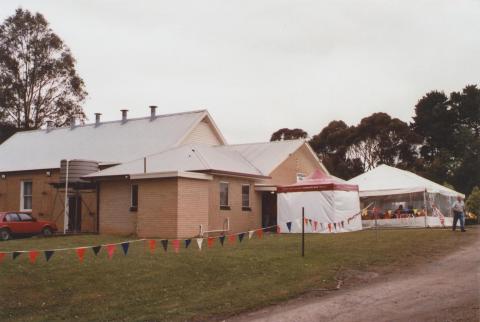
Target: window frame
x=227, y=205
x=133, y=207
x=22, y=195
x=246, y=207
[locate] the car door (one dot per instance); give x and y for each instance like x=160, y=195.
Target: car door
x=14, y=223
x=28, y=224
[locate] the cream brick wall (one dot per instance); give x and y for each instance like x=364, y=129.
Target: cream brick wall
x=239, y=220
x=157, y=208
x=47, y=202
x=193, y=206
x=115, y=215
x=301, y=161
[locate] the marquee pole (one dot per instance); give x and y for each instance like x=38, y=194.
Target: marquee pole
x=303, y=231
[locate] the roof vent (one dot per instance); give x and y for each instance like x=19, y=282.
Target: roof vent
x=153, y=112
x=97, y=118
x=49, y=125
x=124, y=116
x=73, y=122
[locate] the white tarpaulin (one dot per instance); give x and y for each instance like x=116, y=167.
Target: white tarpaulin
x=330, y=206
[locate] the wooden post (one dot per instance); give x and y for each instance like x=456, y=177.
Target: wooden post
x=303, y=231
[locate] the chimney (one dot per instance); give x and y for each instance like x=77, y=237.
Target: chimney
x=97, y=119
x=49, y=125
x=153, y=112
x=73, y=122
x=124, y=115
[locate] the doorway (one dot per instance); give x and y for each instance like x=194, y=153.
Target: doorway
x=75, y=214
x=269, y=209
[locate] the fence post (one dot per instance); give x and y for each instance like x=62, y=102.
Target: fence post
x=303, y=231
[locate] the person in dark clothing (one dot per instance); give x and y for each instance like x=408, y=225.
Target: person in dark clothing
x=458, y=209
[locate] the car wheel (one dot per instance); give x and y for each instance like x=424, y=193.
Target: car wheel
x=5, y=234
x=47, y=232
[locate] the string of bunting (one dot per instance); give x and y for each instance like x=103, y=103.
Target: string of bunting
x=176, y=244
x=314, y=224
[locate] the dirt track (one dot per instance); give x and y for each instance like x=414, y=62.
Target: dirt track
x=447, y=289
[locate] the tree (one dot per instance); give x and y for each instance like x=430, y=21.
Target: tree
x=379, y=139
x=331, y=145
x=473, y=202
x=38, y=80
x=288, y=134
x=6, y=131
x=450, y=127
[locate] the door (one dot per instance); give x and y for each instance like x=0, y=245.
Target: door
x=29, y=225
x=269, y=209
x=14, y=223
x=75, y=214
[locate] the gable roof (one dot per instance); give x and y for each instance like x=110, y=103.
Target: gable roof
x=189, y=157
x=255, y=159
x=108, y=143
x=387, y=180
x=319, y=181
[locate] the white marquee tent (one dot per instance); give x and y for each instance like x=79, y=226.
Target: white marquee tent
x=402, y=198
x=331, y=205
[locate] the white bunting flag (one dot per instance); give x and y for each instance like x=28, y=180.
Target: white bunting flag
x=250, y=234
x=299, y=223
x=199, y=243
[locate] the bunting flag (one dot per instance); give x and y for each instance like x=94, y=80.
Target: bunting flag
x=15, y=255
x=250, y=233
x=199, y=243
x=187, y=242
x=48, y=254
x=164, y=244
x=110, y=250
x=278, y=229
x=310, y=222
x=240, y=237
x=315, y=224
x=96, y=249
x=32, y=256
x=222, y=239
x=80, y=253
x=231, y=239
x=343, y=224
x=335, y=225
x=289, y=226
x=125, y=246
x=260, y=233
x=2, y=256
x=151, y=245
x=330, y=227
x=176, y=245
x=299, y=222
x=321, y=226
x=210, y=241
x=306, y=221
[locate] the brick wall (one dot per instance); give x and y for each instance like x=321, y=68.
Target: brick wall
x=47, y=202
x=240, y=220
x=115, y=215
x=193, y=206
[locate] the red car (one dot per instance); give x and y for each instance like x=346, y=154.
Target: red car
x=14, y=223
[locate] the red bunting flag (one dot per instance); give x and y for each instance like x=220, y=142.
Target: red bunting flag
x=306, y=221
x=2, y=256
x=231, y=239
x=110, y=250
x=260, y=233
x=176, y=245
x=210, y=241
x=32, y=256
x=330, y=227
x=278, y=229
x=315, y=223
x=80, y=253
x=151, y=245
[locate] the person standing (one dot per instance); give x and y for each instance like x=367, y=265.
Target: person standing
x=458, y=209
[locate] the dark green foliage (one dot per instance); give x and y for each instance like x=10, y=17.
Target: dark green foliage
x=288, y=134
x=38, y=80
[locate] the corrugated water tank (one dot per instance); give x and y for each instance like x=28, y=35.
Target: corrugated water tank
x=77, y=169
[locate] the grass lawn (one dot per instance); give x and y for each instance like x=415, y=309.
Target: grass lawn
x=196, y=285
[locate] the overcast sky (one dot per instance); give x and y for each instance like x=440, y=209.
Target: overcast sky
x=260, y=65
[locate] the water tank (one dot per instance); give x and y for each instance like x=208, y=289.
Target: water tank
x=77, y=169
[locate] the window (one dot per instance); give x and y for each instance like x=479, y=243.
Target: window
x=25, y=217
x=26, y=195
x=300, y=177
x=134, y=197
x=224, y=196
x=11, y=217
x=246, y=197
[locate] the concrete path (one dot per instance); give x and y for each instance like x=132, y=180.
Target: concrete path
x=444, y=290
